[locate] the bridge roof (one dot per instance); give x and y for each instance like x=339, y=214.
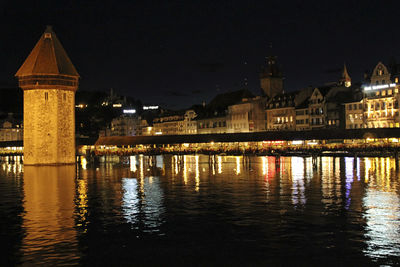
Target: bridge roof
x=325, y=134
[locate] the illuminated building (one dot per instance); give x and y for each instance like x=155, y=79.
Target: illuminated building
x=246, y=116
x=124, y=126
x=189, y=122
x=271, y=78
x=354, y=115
x=381, y=99
x=325, y=107
x=10, y=130
x=281, y=112
x=302, y=117
x=211, y=125
x=49, y=81
x=167, y=124
x=176, y=123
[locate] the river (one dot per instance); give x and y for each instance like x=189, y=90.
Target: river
x=201, y=210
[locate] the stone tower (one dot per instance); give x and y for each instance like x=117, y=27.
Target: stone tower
x=49, y=81
x=271, y=78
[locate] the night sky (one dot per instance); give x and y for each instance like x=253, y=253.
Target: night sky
x=179, y=53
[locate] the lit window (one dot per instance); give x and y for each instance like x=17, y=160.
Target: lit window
x=396, y=80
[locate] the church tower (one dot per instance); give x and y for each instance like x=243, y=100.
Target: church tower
x=49, y=81
x=345, y=79
x=271, y=78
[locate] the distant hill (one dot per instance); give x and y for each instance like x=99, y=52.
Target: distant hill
x=11, y=101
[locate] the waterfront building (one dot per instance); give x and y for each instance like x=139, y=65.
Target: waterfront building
x=302, y=117
x=326, y=108
x=283, y=109
x=271, y=78
x=280, y=112
x=354, y=114
x=11, y=130
x=212, y=125
x=49, y=80
x=381, y=98
x=144, y=128
x=124, y=126
x=247, y=116
x=179, y=122
x=189, y=122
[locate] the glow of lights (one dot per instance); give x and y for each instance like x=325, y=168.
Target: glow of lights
x=197, y=177
x=132, y=163
x=382, y=219
x=149, y=107
x=367, y=168
x=158, y=133
x=176, y=163
x=237, y=165
x=377, y=87
x=312, y=143
x=141, y=166
x=264, y=165
x=81, y=106
x=298, y=195
x=83, y=163
x=219, y=159
x=184, y=170
x=186, y=145
x=129, y=111
x=130, y=199
x=297, y=142
x=117, y=105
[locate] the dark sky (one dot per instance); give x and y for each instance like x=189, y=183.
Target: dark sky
x=184, y=52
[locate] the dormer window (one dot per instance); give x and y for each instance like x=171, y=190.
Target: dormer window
x=47, y=35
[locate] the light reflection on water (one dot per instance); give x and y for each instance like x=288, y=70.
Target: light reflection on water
x=250, y=205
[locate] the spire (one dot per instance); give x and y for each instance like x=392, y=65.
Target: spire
x=48, y=57
x=346, y=80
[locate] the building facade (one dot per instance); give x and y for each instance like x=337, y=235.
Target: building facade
x=381, y=99
x=10, y=131
x=246, y=116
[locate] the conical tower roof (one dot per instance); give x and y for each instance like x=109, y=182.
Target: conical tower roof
x=48, y=57
x=345, y=74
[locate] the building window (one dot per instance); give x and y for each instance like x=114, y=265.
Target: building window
x=65, y=97
x=46, y=96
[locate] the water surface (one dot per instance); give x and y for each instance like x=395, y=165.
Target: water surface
x=200, y=210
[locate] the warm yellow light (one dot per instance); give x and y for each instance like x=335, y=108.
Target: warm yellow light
x=237, y=165
x=197, y=177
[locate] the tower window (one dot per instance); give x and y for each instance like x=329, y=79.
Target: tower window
x=46, y=96
x=65, y=97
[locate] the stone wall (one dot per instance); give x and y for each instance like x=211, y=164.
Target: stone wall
x=49, y=126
